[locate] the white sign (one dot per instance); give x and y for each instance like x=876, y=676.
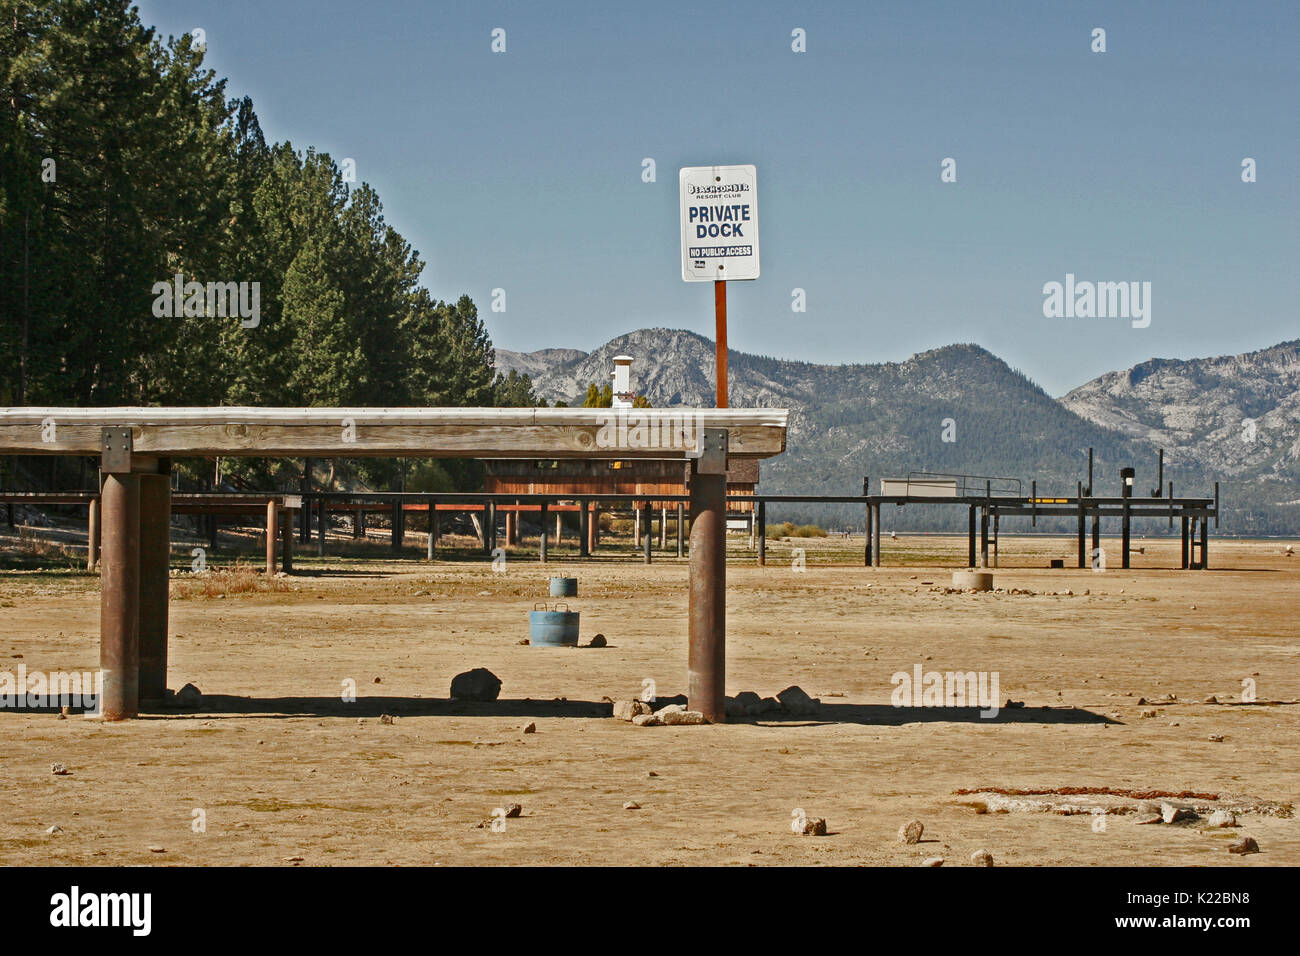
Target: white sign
x=719, y=222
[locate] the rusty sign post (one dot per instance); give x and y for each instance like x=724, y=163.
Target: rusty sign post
x=719, y=232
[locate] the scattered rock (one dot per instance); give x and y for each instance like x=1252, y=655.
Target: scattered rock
x=65, y=711
x=911, y=831
x=681, y=717
x=513, y=811
x=157, y=849
x=1215, y=738
x=1210, y=700
x=627, y=709
x=631, y=805
x=378, y=681
x=524, y=641
x=647, y=720
x=1147, y=713
x=671, y=709
x=814, y=826
x=58, y=770
x=796, y=702
x=932, y=861
x=1244, y=845
x=1175, y=813
x=598, y=641
x=651, y=773
x=981, y=858
x=54, y=829
x=293, y=859
x=1223, y=818
x=478, y=684
x=385, y=718
x=529, y=728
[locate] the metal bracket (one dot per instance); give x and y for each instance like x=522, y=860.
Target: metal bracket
x=713, y=452
x=116, y=446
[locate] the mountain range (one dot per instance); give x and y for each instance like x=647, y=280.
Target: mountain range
x=962, y=410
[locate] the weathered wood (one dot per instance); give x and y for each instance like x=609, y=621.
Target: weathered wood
x=381, y=432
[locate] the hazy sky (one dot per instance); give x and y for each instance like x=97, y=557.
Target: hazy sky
x=522, y=170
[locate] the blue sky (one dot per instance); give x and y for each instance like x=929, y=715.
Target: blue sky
x=522, y=170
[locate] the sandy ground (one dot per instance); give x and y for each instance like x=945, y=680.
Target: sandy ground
x=285, y=772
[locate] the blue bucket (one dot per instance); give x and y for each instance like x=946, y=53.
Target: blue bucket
x=564, y=587
x=553, y=628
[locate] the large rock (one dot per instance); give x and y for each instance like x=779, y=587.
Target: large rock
x=981, y=858
x=1176, y=812
x=627, y=709
x=646, y=720
x=478, y=684
x=814, y=826
x=1223, y=818
x=910, y=832
x=679, y=717
x=797, y=703
x=1244, y=845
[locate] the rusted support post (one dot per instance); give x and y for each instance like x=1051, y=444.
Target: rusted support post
x=762, y=532
x=492, y=525
x=984, y=537
x=272, y=530
x=708, y=594
x=584, y=543
x=1083, y=527
x=593, y=528
x=541, y=537
x=432, y=544
x=970, y=538
x=304, y=489
x=1186, y=557
x=286, y=540
x=559, y=527
x=119, y=598
x=512, y=528
x=636, y=526
x=875, y=535
x=398, y=521
x=996, y=515
x=1205, y=542
x=648, y=539
x=866, y=535
x=663, y=528
x=92, y=535
x=358, y=523
x=1096, y=538
x=681, y=522
x=323, y=520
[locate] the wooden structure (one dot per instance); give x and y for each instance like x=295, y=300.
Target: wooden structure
x=136, y=445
